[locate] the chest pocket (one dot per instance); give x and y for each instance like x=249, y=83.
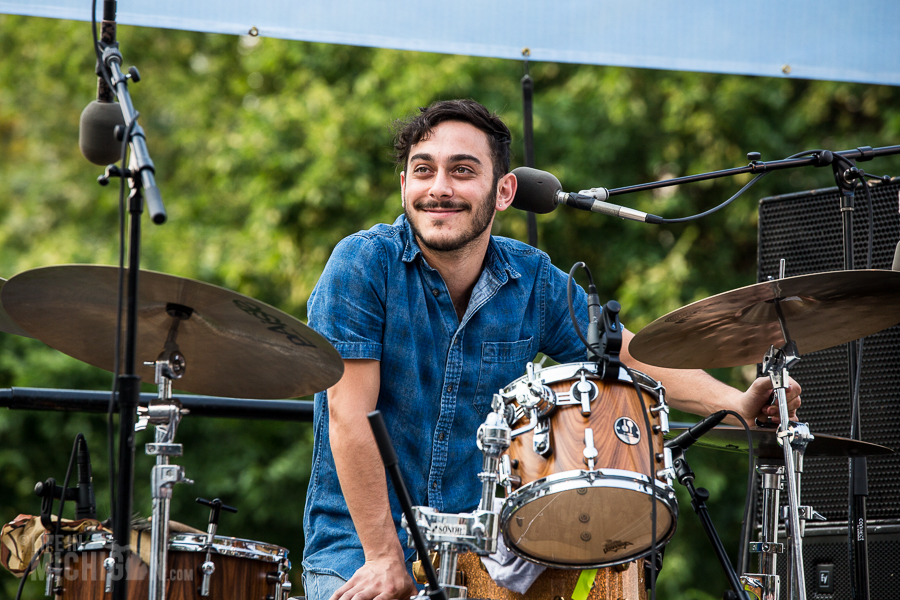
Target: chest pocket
x=501, y=364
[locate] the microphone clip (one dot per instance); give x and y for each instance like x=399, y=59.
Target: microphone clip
x=611, y=340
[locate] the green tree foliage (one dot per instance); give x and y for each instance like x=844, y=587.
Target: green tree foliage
x=269, y=151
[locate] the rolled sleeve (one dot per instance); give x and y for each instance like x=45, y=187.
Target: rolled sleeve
x=347, y=305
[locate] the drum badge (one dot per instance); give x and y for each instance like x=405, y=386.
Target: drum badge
x=627, y=431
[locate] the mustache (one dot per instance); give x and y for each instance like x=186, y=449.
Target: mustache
x=441, y=204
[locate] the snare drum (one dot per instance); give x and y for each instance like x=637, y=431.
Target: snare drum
x=244, y=570
x=582, y=453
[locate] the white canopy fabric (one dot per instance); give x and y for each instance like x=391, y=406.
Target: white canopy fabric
x=822, y=39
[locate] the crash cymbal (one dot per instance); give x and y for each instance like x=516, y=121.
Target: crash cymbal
x=738, y=327
x=233, y=345
x=765, y=443
x=7, y=325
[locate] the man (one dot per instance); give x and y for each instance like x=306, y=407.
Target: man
x=433, y=315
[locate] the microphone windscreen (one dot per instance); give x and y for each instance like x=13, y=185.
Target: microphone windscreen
x=536, y=191
x=96, y=136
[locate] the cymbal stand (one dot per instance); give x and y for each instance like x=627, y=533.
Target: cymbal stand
x=165, y=413
x=776, y=364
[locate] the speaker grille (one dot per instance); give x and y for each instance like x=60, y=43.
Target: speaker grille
x=805, y=229
x=829, y=546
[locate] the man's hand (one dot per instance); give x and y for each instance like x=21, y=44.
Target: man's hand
x=379, y=579
x=754, y=403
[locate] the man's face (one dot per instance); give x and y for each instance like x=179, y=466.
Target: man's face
x=448, y=187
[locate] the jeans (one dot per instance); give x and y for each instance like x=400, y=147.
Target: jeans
x=320, y=586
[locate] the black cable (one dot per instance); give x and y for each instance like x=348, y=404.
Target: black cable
x=652, y=475
x=750, y=184
x=110, y=425
x=103, y=72
x=750, y=474
x=590, y=347
x=29, y=567
x=740, y=192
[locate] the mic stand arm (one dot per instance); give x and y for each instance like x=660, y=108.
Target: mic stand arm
x=699, y=496
x=756, y=166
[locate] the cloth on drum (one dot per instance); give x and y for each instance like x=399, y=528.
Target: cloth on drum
x=508, y=570
x=24, y=535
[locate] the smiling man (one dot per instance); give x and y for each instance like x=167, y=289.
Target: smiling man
x=432, y=315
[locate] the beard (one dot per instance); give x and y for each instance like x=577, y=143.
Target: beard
x=481, y=217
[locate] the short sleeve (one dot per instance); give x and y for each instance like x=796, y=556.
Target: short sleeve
x=347, y=306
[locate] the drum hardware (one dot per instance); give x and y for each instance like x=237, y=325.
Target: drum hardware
x=590, y=451
x=165, y=414
x=594, y=493
x=452, y=534
x=208, y=568
x=699, y=496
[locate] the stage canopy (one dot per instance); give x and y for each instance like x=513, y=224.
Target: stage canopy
x=826, y=39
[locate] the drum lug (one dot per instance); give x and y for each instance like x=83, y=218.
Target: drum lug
x=585, y=391
x=590, y=451
x=667, y=473
x=109, y=564
x=541, y=438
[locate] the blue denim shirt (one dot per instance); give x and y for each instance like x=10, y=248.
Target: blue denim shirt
x=379, y=299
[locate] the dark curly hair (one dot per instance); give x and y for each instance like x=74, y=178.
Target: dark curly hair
x=411, y=131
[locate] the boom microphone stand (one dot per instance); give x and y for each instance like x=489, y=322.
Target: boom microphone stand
x=140, y=174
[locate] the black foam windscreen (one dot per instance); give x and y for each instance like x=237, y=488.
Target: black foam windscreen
x=536, y=191
x=806, y=230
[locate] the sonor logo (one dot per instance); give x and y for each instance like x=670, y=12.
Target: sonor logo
x=448, y=529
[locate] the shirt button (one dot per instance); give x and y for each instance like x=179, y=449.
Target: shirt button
x=436, y=292
x=450, y=388
x=441, y=436
x=434, y=485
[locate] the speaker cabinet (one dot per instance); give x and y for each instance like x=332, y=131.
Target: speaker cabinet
x=826, y=563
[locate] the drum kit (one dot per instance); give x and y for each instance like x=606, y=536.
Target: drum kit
x=579, y=449
x=569, y=446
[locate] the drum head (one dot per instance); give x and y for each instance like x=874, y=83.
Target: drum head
x=569, y=521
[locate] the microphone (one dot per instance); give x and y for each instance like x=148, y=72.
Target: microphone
x=85, y=503
x=540, y=192
x=685, y=440
x=96, y=129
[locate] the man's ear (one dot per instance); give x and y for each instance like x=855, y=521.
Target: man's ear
x=403, y=189
x=506, y=191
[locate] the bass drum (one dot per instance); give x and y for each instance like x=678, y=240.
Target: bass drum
x=582, y=452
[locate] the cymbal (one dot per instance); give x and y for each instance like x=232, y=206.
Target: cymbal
x=7, y=325
x=233, y=345
x=765, y=443
x=738, y=327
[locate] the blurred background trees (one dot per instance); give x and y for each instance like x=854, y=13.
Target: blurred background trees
x=270, y=151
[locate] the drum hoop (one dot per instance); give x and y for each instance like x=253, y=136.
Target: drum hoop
x=624, y=479
x=567, y=371
x=602, y=478
x=195, y=542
